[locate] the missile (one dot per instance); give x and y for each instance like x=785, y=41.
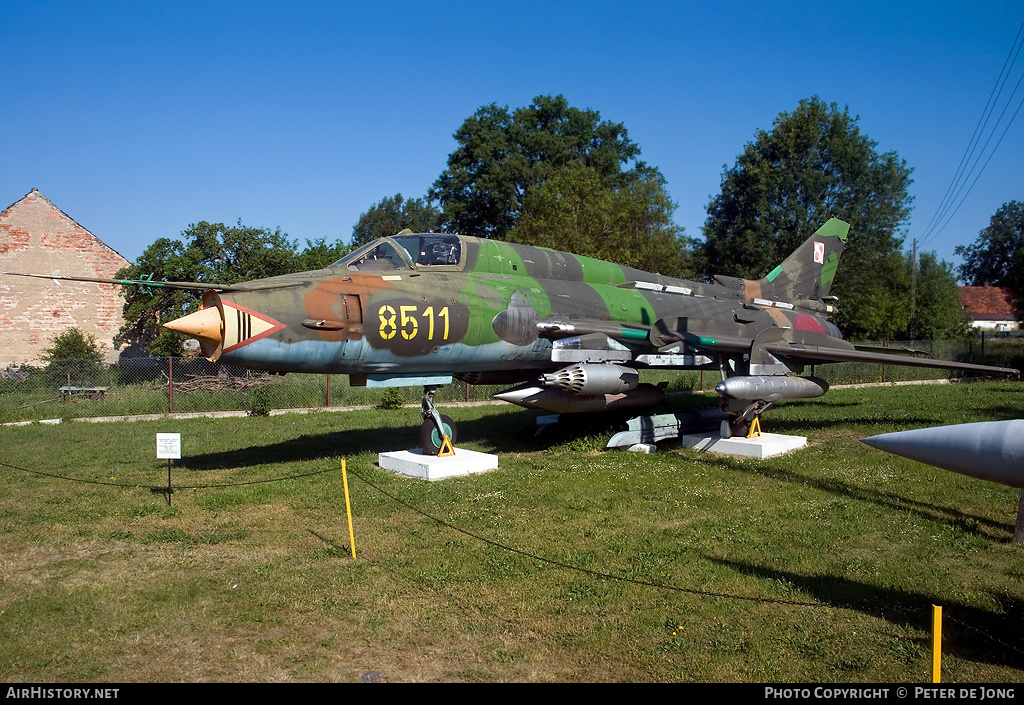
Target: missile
x=991, y=450
x=772, y=388
x=559, y=401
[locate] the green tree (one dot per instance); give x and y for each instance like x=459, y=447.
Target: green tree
x=145, y=308
x=816, y=164
x=502, y=155
x=393, y=214
x=318, y=254
x=877, y=303
x=212, y=253
x=577, y=211
x=239, y=253
x=73, y=353
x=1015, y=280
x=990, y=259
x=937, y=313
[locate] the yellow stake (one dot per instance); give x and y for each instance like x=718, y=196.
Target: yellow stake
x=936, y=643
x=348, y=510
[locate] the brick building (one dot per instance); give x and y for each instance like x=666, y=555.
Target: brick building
x=991, y=307
x=37, y=237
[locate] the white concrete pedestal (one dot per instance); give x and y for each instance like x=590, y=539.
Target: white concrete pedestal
x=430, y=467
x=764, y=446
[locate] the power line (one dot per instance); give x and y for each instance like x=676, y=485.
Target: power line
x=996, y=90
x=955, y=194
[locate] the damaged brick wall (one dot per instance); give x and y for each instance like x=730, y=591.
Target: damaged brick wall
x=37, y=237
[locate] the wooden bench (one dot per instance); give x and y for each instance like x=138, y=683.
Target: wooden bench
x=94, y=393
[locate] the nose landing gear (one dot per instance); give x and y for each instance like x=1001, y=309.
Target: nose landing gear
x=437, y=433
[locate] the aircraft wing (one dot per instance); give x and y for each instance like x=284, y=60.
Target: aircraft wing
x=890, y=351
x=820, y=353
x=197, y=286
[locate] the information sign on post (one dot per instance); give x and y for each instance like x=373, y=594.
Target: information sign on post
x=168, y=445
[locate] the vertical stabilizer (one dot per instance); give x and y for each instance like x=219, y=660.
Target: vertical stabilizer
x=808, y=272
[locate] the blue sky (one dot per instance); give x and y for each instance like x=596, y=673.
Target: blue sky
x=138, y=119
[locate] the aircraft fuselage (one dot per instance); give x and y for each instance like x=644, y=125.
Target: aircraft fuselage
x=495, y=307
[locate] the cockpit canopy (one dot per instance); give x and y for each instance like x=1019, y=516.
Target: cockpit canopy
x=405, y=252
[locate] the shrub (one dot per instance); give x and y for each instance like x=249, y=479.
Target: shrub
x=76, y=354
x=391, y=398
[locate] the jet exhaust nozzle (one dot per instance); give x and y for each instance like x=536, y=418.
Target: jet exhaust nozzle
x=772, y=388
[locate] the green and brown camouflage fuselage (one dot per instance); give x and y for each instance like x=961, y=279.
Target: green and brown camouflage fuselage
x=418, y=309
x=496, y=307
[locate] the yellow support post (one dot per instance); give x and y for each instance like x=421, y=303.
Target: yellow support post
x=936, y=644
x=348, y=509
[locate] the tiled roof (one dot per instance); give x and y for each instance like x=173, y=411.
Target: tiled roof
x=990, y=303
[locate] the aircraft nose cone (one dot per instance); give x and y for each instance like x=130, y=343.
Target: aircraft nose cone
x=204, y=325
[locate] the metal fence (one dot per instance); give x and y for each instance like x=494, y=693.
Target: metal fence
x=161, y=385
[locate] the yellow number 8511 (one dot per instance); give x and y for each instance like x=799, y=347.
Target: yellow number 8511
x=406, y=321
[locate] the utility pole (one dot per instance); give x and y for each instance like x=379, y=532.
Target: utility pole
x=913, y=286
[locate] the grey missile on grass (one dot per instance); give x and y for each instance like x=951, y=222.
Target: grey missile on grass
x=990, y=450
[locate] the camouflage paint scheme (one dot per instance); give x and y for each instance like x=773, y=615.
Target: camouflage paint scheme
x=418, y=309
x=503, y=306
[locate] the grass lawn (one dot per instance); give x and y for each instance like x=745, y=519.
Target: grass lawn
x=568, y=563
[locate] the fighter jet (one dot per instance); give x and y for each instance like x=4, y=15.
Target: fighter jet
x=569, y=332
